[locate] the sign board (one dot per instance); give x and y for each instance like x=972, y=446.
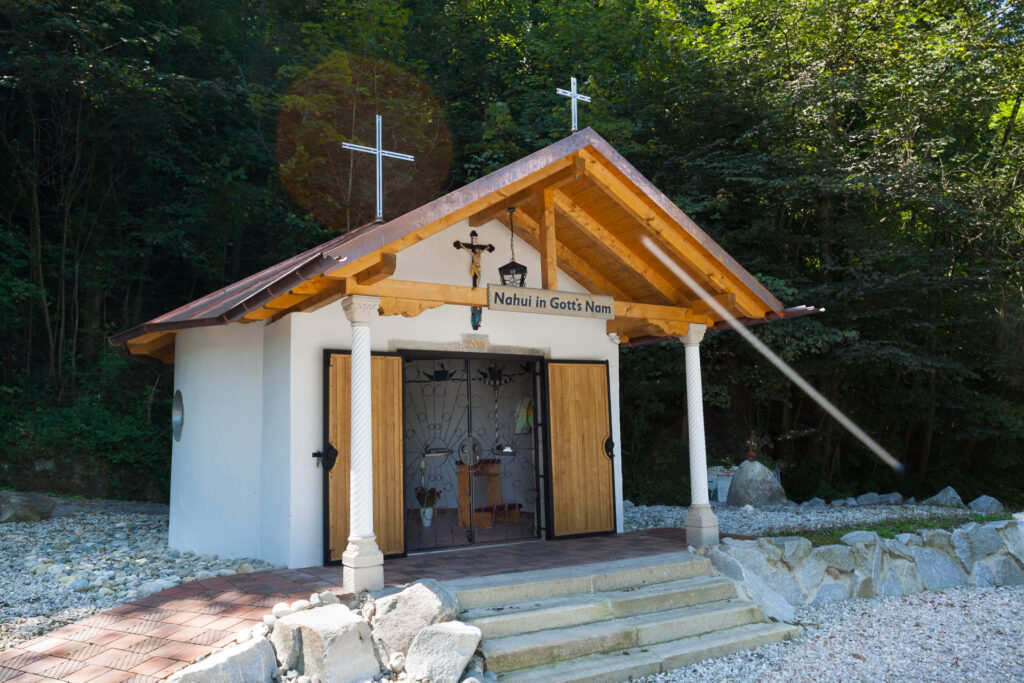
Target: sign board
x=551, y=302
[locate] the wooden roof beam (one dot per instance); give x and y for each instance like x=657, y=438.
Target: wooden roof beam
x=573, y=169
x=548, y=242
x=688, y=255
x=150, y=344
x=383, y=269
x=574, y=265
x=614, y=246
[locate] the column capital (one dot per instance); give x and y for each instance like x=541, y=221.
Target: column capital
x=694, y=334
x=359, y=309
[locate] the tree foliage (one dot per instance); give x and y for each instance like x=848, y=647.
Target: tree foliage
x=863, y=156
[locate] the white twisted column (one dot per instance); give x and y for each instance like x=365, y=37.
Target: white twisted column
x=701, y=523
x=363, y=563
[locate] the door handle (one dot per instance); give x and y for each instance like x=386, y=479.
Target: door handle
x=328, y=458
x=609, y=447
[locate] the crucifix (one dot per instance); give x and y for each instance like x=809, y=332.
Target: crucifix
x=474, y=250
x=574, y=97
x=380, y=153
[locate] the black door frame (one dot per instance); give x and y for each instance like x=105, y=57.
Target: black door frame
x=538, y=365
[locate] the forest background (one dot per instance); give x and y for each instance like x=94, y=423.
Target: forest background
x=864, y=156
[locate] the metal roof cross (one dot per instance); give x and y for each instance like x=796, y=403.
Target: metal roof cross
x=379, y=152
x=574, y=97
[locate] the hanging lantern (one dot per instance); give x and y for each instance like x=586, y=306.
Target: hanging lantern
x=512, y=274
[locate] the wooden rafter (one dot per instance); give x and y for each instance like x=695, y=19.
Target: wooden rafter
x=689, y=255
x=614, y=246
x=150, y=344
x=578, y=268
x=563, y=177
x=383, y=269
x=446, y=218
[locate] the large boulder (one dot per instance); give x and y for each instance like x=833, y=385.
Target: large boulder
x=24, y=507
x=252, y=661
x=754, y=484
x=774, y=605
x=997, y=571
x=867, y=499
x=839, y=556
x=440, y=652
x=331, y=643
x=974, y=542
x=947, y=498
x=986, y=505
x=400, y=616
x=938, y=570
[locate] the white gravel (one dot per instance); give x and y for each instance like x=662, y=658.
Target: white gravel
x=91, y=556
x=964, y=634
x=777, y=521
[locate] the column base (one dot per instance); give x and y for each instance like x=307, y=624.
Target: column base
x=362, y=565
x=701, y=526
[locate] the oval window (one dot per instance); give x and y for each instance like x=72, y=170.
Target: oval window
x=177, y=415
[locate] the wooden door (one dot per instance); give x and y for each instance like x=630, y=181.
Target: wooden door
x=386, y=381
x=579, y=426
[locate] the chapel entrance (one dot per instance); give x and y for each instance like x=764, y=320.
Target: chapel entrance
x=470, y=450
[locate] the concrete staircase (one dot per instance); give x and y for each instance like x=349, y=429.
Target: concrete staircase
x=611, y=621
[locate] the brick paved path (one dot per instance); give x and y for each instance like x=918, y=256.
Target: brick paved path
x=146, y=640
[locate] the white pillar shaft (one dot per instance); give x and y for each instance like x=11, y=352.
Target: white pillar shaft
x=361, y=452
x=695, y=419
x=701, y=523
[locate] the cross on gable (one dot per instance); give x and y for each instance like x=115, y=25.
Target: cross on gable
x=574, y=97
x=379, y=152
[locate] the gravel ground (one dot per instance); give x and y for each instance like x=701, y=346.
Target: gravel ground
x=964, y=634
x=776, y=520
x=91, y=556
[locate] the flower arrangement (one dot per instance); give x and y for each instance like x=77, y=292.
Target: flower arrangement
x=427, y=498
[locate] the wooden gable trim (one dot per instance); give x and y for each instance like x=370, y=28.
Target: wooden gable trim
x=613, y=246
x=358, y=263
x=690, y=256
x=566, y=175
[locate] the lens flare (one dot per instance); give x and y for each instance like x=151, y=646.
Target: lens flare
x=337, y=101
x=772, y=358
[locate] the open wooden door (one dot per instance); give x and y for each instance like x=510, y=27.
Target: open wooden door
x=387, y=453
x=582, y=469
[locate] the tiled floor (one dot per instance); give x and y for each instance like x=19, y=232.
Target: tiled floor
x=148, y=639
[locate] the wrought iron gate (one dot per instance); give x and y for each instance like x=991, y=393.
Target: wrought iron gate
x=470, y=450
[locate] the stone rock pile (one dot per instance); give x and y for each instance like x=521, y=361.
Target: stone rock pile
x=408, y=635
x=24, y=507
x=784, y=572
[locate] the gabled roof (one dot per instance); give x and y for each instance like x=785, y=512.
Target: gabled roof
x=601, y=209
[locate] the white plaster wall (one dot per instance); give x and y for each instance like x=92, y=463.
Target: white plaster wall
x=433, y=260
x=215, y=468
x=243, y=482
x=275, y=431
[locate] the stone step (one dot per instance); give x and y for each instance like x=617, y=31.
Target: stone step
x=542, y=584
x=552, y=645
x=538, y=615
x=635, y=662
